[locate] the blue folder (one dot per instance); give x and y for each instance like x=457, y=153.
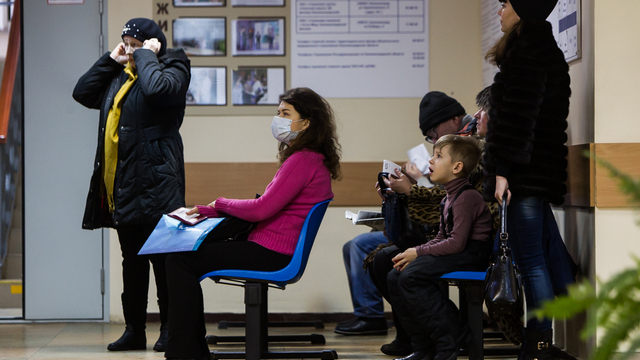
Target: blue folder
x=171, y=235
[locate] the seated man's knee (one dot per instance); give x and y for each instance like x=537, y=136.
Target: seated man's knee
x=346, y=249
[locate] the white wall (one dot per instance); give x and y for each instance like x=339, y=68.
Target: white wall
x=616, y=105
x=369, y=129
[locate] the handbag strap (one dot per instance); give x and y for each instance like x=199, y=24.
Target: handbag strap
x=449, y=220
x=504, y=235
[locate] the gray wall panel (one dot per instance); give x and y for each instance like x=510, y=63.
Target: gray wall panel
x=63, y=263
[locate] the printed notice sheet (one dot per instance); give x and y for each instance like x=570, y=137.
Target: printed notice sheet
x=565, y=20
x=360, y=49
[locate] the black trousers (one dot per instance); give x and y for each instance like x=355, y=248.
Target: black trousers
x=378, y=270
x=427, y=314
x=187, y=329
x=135, y=276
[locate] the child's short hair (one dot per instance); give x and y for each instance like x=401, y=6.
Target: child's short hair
x=465, y=149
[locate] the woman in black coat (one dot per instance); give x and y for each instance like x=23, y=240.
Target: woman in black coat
x=525, y=147
x=140, y=89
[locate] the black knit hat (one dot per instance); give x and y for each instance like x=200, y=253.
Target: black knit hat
x=144, y=29
x=533, y=9
x=435, y=108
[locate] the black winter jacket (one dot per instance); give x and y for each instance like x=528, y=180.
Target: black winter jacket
x=528, y=118
x=149, y=178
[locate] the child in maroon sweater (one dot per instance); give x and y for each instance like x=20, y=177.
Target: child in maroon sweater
x=462, y=244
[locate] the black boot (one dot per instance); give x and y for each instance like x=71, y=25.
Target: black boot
x=161, y=344
x=419, y=355
x=397, y=348
x=132, y=339
x=537, y=345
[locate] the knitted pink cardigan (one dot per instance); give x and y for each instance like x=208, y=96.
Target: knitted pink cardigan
x=301, y=182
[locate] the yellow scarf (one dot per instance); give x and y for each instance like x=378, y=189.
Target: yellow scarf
x=111, y=136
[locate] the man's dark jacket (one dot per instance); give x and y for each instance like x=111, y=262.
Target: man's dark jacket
x=149, y=178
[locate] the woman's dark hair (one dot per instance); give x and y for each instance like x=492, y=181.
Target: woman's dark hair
x=321, y=135
x=499, y=51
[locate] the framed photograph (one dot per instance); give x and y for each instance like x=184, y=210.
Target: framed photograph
x=257, y=85
x=185, y=3
x=200, y=36
x=255, y=37
x=257, y=2
x=207, y=86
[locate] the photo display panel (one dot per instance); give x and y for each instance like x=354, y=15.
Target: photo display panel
x=339, y=48
x=207, y=86
x=238, y=49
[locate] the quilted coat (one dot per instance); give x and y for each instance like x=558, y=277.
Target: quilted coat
x=149, y=177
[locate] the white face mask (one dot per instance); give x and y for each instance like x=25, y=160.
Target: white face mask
x=281, y=130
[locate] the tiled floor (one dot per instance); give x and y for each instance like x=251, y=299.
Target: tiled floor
x=43, y=341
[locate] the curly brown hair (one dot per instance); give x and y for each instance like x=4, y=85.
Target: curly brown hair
x=321, y=135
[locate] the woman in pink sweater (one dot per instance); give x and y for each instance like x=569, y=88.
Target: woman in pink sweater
x=309, y=156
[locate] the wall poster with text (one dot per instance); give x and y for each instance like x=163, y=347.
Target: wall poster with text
x=366, y=49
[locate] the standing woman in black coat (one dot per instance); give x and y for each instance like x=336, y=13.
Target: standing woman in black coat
x=140, y=89
x=525, y=147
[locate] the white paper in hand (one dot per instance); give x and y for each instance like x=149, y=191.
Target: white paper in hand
x=420, y=156
x=390, y=167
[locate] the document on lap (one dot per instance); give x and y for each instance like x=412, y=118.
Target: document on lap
x=181, y=214
x=372, y=219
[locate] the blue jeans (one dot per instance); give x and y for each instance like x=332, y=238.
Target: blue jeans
x=531, y=226
x=366, y=299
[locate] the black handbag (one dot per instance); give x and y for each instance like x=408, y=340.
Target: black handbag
x=400, y=230
x=503, y=295
x=231, y=229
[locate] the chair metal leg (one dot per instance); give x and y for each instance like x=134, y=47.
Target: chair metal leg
x=255, y=299
x=317, y=324
x=256, y=344
x=316, y=339
x=324, y=355
x=474, y=292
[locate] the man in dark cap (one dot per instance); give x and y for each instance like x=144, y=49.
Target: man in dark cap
x=441, y=114
x=140, y=89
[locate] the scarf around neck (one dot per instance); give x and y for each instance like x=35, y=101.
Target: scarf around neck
x=111, y=136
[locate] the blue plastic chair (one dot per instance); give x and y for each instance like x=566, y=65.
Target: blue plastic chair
x=471, y=285
x=256, y=284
